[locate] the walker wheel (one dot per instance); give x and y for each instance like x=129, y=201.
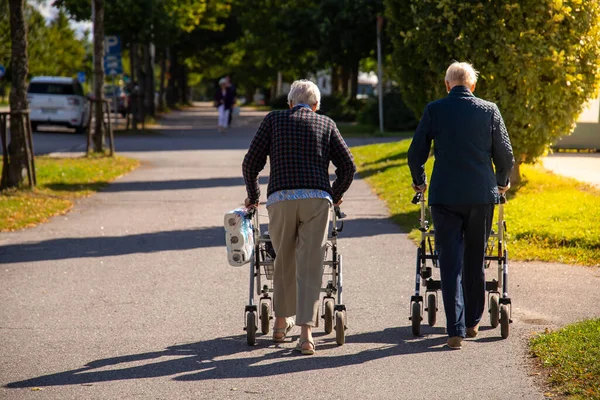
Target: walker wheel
x=328, y=316
x=251, y=328
x=415, y=317
x=504, y=321
x=494, y=311
x=265, y=318
x=340, y=328
x=431, y=309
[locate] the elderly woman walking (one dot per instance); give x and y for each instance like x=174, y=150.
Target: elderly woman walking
x=224, y=101
x=300, y=145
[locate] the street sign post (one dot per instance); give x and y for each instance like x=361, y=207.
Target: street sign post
x=113, y=66
x=112, y=55
x=81, y=77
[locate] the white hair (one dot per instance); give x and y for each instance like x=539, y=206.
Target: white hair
x=461, y=73
x=304, y=91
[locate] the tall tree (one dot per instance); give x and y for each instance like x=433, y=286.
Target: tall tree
x=98, y=138
x=17, y=150
x=538, y=59
x=347, y=35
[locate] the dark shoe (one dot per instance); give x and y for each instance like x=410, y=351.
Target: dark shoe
x=455, y=342
x=472, y=332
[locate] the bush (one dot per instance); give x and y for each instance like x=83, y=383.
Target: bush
x=396, y=115
x=279, y=102
x=340, y=108
x=539, y=60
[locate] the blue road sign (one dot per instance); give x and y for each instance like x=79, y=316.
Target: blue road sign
x=112, y=55
x=81, y=77
x=2, y=71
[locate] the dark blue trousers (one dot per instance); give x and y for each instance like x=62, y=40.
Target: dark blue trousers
x=461, y=234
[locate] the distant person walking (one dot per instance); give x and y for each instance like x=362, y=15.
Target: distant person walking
x=300, y=144
x=224, y=101
x=233, y=88
x=468, y=135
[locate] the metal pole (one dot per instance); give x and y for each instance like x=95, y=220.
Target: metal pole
x=379, y=73
x=115, y=102
x=93, y=53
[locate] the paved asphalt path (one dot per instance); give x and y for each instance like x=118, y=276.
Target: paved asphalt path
x=129, y=296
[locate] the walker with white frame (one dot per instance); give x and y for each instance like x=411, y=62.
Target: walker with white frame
x=333, y=310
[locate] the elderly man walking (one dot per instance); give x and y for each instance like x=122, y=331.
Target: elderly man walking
x=468, y=135
x=300, y=144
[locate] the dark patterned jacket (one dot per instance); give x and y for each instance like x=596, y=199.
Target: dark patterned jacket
x=300, y=144
x=468, y=135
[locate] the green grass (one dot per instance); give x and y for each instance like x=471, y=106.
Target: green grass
x=361, y=130
x=572, y=357
x=60, y=181
x=257, y=107
x=549, y=217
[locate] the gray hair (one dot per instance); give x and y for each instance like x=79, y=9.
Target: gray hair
x=304, y=91
x=461, y=73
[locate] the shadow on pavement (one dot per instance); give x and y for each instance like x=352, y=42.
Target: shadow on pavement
x=204, y=360
x=143, y=186
x=177, y=240
x=104, y=246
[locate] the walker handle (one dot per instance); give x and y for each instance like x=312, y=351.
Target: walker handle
x=338, y=212
x=417, y=198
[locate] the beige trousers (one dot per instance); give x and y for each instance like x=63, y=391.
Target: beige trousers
x=298, y=231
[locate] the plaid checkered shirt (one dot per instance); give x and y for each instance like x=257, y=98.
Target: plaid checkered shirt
x=300, y=144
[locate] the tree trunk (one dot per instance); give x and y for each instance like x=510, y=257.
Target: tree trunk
x=515, y=175
x=183, y=85
x=98, y=137
x=172, y=86
x=345, y=78
x=249, y=93
x=163, y=72
x=354, y=81
x=149, y=83
x=19, y=64
x=335, y=80
x=132, y=62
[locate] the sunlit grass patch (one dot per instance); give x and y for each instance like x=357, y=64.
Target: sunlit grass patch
x=60, y=181
x=572, y=357
x=549, y=217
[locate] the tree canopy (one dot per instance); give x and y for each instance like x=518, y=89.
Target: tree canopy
x=539, y=60
x=53, y=47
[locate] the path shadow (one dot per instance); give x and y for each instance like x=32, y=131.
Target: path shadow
x=401, y=155
x=365, y=173
x=104, y=246
x=153, y=242
x=230, y=357
x=124, y=186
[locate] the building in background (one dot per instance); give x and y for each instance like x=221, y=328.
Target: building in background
x=587, y=132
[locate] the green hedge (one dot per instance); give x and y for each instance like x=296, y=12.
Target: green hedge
x=336, y=107
x=396, y=115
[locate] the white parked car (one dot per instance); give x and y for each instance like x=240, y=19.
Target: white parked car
x=58, y=101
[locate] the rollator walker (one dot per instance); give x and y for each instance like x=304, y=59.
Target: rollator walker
x=260, y=301
x=499, y=304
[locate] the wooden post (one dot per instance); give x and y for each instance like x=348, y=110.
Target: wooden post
x=4, y=138
x=111, y=139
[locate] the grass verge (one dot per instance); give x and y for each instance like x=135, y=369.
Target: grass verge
x=572, y=358
x=362, y=130
x=549, y=217
x=60, y=181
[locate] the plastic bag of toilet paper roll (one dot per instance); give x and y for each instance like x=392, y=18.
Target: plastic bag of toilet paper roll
x=239, y=237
